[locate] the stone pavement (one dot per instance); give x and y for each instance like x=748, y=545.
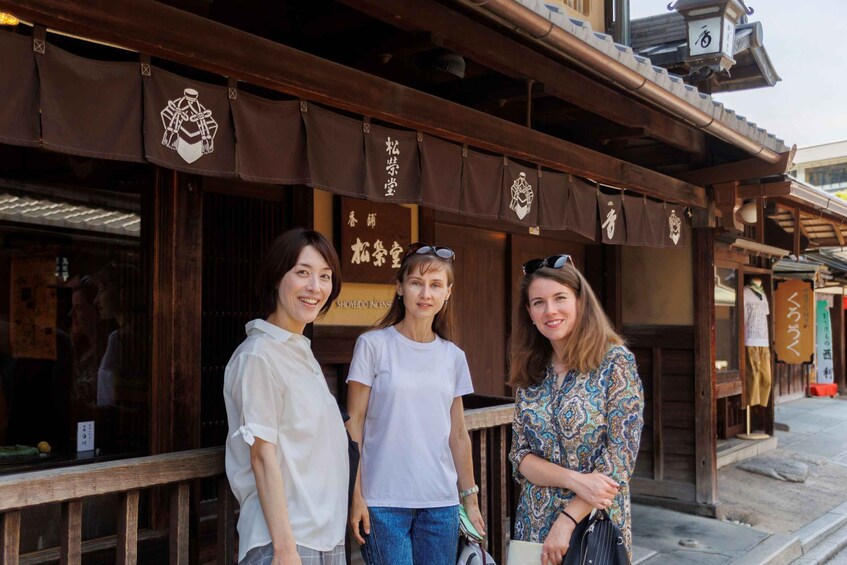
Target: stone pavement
x=766, y=520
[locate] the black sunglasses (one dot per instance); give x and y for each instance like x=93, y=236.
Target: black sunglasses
x=551, y=262
x=424, y=249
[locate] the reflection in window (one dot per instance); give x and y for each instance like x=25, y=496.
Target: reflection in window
x=726, y=320
x=72, y=342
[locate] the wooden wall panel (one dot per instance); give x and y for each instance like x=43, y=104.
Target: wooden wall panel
x=666, y=463
x=236, y=232
x=481, y=301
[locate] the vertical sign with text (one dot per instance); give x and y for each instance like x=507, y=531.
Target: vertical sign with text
x=824, y=371
x=794, y=321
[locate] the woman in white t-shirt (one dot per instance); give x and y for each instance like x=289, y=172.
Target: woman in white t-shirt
x=286, y=452
x=406, y=383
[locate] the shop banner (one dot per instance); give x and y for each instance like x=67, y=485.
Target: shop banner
x=519, y=194
x=794, y=321
x=612, y=223
x=392, y=165
x=90, y=108
x=635, y=212
x=18, y=91
x=441, y=173
x=336, y=151
x=187, y=125
x=374, y=237
x=482, y=177
x=654, y=228
x=581, y=215
x=823, y=346
x=553, y=200
x=271, y=144
x=674, y=231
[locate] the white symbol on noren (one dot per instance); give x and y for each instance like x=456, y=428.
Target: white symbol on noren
x=675, y=225
x=609, y=224
x=522, y=196
x=189, y=127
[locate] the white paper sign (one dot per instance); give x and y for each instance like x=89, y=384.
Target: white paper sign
x=85, y=436
x=704, y=36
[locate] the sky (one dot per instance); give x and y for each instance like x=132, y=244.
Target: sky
x=807, y=43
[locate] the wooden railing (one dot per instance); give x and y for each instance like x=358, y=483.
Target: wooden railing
x=489, y=428
x=127, y=477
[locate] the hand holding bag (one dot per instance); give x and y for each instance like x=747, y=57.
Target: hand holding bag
x=596, y=541
x=470, y=550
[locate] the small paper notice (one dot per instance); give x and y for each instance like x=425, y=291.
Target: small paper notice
x=85, y=436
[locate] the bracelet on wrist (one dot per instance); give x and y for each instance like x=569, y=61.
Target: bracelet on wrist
x=571, y=518
x=466, y=493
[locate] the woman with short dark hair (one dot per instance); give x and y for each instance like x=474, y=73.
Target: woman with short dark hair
x=578, y=409
x=286, y=453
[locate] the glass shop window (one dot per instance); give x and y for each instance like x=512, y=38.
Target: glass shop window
x=726, y=320
x=74, y=336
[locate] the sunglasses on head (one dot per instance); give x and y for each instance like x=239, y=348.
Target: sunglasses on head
x=424, y=249
x=551, y=262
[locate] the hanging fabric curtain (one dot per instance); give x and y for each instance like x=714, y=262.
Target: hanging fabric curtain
x=519, y=194
x=19, y=124
x=187, y=125
x=271, y=145
x=441, y=173
x=392, y=165
x=90, y=108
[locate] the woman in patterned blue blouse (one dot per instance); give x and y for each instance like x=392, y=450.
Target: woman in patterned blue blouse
x=578, y=410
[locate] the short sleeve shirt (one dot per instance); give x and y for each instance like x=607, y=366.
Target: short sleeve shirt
x=274, y=389
x=756, y=312
x=406, y=458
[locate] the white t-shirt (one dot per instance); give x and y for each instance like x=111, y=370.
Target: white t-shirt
x=756, y=312
x=274, y=389
x=406, y=458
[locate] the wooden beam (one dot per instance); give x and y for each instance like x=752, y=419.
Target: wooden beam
x=126, y=551
x=10, y=537
x=705, y=414
x=740, y=170
x=178, y=530
x=726, y=201
x=159, y=30
x=764, y=190
x=838, y=235
x=70, y=533
x=497, y=51
x=798, y=228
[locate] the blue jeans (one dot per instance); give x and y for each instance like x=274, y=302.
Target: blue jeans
x=412, y=536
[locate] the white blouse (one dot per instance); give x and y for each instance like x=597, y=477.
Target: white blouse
x=274, y=389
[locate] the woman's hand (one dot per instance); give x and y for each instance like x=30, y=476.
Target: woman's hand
x=471, y=505
x=359, y=515
x=595, y=488
x=286, y=557
x=556, y=545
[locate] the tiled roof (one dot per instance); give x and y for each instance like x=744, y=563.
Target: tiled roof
x=642, y=65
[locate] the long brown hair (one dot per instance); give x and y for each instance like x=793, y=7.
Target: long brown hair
x=444, y=324
x=530, y=351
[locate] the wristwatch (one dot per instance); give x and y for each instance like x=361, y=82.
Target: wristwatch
x=465, y=493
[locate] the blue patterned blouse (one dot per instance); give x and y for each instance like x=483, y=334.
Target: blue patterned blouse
x=592, y=422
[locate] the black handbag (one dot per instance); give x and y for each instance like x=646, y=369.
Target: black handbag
x=596, y=541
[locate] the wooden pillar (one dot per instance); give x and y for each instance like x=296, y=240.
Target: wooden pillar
x=176, y=231
x=705, y=448
x=612, y=284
